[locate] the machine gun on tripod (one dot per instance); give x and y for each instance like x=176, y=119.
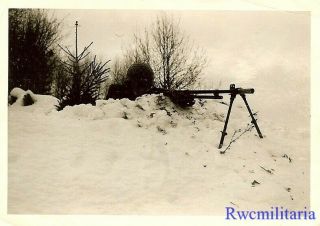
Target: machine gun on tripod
x=140, y=80
x=186, y=98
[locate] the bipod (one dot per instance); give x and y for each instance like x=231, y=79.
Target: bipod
x=253, y=120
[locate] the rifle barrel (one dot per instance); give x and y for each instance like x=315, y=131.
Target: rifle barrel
x=219, y=91
x=214, y=92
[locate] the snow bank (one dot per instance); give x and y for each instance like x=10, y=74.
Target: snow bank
x=17, y=92
x=148, y=111
x=42, y=103
x=150, y=157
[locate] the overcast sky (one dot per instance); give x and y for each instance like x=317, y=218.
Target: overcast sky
x=239, y=44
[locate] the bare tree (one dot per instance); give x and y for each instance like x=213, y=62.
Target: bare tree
x=119, y=69
x=136, y=53
x=177, y=64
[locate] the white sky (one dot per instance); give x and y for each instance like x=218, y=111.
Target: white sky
x=239, y=44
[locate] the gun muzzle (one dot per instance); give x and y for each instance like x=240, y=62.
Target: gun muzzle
x=245, y=91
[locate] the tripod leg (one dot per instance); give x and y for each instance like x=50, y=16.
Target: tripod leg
x=254, y=121
x=224, y=133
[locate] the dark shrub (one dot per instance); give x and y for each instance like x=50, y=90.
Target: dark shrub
x=27, y=100
x=141, y=78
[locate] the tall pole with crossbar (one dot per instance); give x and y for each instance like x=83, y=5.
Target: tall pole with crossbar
x=76, y=41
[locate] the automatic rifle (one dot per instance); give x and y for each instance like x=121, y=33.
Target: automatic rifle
x=186, y=98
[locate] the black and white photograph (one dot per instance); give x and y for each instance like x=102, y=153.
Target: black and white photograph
x=159, y=112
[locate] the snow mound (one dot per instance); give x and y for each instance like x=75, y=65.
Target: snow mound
x=146, y=111
x=42, y=103
x=134, y=153
x=82, y=111
x=17, y=92
x=154, y=111
x=150, y=156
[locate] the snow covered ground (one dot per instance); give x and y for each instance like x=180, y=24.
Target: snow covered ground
x=151, y=157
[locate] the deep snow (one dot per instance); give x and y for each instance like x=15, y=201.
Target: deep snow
x=151, y=157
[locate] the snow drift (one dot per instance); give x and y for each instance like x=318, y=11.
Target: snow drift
x=42, y=103
x=149, y=157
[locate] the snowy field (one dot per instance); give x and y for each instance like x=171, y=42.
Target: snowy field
x=151, y=157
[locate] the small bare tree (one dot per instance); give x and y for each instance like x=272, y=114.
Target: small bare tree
x=119, y=69
x=177, y=64
x=133, y=54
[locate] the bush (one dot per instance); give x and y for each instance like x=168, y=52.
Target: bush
x=141, y=78
x=27, y=100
